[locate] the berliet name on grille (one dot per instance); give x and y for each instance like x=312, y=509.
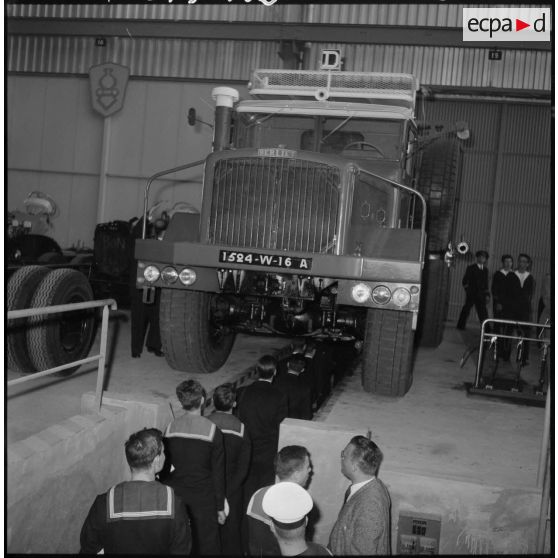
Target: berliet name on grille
x=276, y=152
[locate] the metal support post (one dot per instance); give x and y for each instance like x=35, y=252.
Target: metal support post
x=102, y=358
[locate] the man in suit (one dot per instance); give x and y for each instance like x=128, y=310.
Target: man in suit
x=237, y=461
x=197, y=458
x=363, y=525
x=475, y=282
x=296, y=384
x=262, y=407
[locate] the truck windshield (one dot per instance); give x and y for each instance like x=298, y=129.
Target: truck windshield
x=345, y=136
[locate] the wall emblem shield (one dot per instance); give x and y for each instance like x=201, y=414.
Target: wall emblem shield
x=108, y=87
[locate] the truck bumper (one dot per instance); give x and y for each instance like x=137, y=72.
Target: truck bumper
x=348, y=271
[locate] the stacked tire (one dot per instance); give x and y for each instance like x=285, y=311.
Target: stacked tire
x=438, y=183
x=46, y=341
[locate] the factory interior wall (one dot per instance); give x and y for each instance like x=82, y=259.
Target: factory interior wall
x=55, y=144
x=504, y=203
x=54, y=476
x=475, y=518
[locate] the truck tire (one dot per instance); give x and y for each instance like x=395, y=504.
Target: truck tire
x=56, y=339
x=387, y=354
x=190, y=342
x=438, y=183
x=434, y=303
x=19, y=293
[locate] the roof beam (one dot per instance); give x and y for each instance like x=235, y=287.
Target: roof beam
x=242, y=31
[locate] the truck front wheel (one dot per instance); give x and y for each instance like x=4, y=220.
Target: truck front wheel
x=191, y=341
x=387, y=356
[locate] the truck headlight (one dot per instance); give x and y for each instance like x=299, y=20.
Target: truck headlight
x=381, y=294
x=151, y=273
x=169, y=275
x=360, y=292
x=187, y=276
x=401, y=297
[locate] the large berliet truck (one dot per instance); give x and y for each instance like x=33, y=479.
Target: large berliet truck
x=312, y=223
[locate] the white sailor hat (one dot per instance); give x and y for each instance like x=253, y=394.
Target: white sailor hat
x=287, y=503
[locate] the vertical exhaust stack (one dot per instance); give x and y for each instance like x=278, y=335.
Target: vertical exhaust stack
x=224, y=98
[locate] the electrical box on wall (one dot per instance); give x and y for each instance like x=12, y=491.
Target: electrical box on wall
x=418, y=533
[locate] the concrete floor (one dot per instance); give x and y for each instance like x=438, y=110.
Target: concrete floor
x=435, y=429
x=35, y=405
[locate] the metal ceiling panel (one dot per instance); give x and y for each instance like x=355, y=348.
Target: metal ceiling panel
x=200, y=59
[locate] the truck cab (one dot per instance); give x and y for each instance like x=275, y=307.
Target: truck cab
x=310, y=223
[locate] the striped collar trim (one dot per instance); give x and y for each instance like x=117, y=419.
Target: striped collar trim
x=255, y=508
x=190, y=435
x=235, y=432
x=140, y=514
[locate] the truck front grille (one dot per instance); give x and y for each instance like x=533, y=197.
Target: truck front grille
x=277, y=203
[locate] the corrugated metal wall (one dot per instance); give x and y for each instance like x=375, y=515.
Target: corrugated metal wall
x=505, y=202
x=465, y=67
x=234, y=60
x=459, y=66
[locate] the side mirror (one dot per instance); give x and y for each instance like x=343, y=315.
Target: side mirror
x=192, y=116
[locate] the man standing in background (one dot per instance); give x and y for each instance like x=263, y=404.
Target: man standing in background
x=262, y=407
x=475, y=282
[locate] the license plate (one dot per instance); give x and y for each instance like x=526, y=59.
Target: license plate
x=267, y=260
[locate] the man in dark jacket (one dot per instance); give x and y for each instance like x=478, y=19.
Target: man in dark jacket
x=475, y=282
x=237, y=461
x=197, y=457
x=262, y=407
x=140, y=516
x=296, y=384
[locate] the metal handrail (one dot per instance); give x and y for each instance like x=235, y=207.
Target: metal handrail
x=148, y=187
x=413, y=192
x=484, y=335
x=107, y=304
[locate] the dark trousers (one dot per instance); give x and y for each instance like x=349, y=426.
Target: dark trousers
x=261, y=474
x=204, y=524
x=231, y=540
x=145, y=319
x=479, y=303
x=504, y=345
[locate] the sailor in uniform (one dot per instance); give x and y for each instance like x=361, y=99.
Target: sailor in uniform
x=197, y=459
x=140, y=516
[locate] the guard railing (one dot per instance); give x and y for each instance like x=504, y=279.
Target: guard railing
x=543, y=337
x=106, y=304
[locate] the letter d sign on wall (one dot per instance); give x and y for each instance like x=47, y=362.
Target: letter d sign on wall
x=108, y=87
